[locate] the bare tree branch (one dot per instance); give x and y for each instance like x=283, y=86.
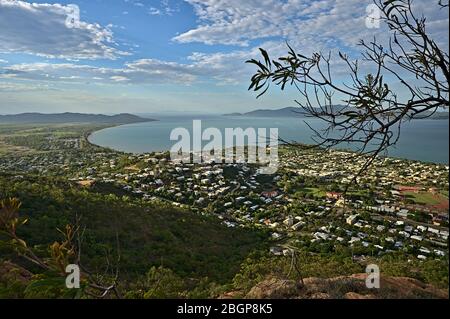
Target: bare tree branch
x=369, y=115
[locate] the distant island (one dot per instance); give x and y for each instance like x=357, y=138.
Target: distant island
x=284, y=112
x=24, y=118
x=298, y=112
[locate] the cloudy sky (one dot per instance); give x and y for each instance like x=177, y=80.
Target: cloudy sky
x=166, y=55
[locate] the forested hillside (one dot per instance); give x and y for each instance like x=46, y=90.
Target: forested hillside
x=124, y=234
x=35, y=118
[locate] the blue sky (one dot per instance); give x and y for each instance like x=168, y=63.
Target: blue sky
x=167, y=55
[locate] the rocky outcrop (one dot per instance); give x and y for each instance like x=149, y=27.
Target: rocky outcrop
x=274, y=289
x=345, y=287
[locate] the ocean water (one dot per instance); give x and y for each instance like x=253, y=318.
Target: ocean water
x=425, y=140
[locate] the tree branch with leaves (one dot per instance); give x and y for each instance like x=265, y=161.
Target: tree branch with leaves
x=367, y=113
x=62, y=253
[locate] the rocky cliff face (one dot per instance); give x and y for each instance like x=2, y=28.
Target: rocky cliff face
x=345, y=287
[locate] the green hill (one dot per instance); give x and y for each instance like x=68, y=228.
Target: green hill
x=24, y=118
x=190, y=245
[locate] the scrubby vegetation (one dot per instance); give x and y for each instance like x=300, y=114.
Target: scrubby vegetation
x=71, y=202
x=156, y=250
x=148, y=238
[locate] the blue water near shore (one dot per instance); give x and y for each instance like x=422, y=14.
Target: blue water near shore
x=424, y=140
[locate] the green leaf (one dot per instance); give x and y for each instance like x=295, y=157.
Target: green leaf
x=266, y=56
x=263, y=92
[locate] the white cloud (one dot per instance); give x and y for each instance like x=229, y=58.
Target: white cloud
x=309, y=26
x=169, y=8
x=320, y=24
x=24, y=87
x=154, y=11
x=148, y=71
x=236, y=22
x=223, y=68
x=157, y=8
x=41, y=29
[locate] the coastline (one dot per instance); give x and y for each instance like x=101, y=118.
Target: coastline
x=135, y=143
x=89, y=133
x=283, y=145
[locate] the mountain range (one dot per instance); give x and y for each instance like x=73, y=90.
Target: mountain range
x=284, y=112
x=298, y=112
x=24, y=118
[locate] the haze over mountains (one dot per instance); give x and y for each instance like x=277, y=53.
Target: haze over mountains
x=284, y=112
x=126, y=118
x=298, y=112
x=24, y=118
